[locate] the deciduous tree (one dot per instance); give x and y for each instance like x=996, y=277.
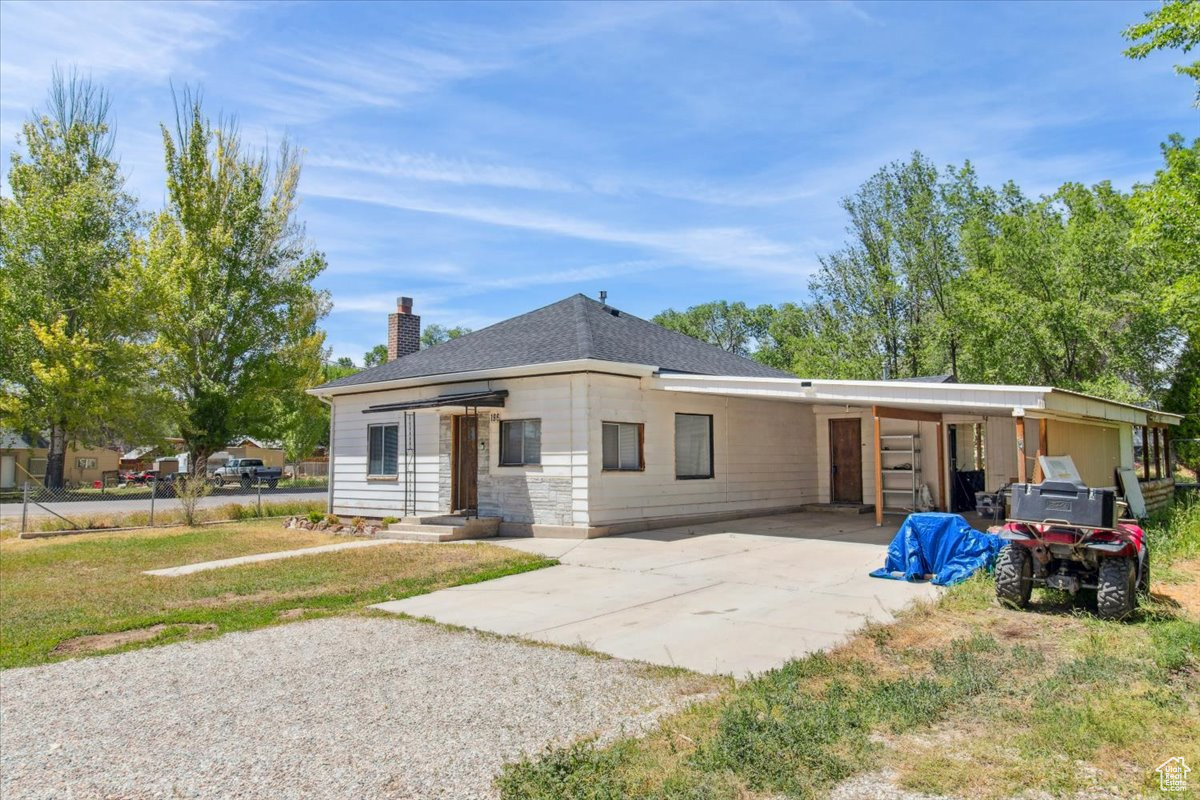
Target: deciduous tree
x=236, y=320
x=72, y=326
x=436, y=334
x=735, y=327
x=1173, y=25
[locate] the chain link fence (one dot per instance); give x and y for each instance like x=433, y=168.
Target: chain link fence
x=155, y=500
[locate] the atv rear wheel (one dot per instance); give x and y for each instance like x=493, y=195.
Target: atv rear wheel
x=1014, y=576
x=1116, y=588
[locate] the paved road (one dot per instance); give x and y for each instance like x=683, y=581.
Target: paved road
x=125, y=504
x=736, y=597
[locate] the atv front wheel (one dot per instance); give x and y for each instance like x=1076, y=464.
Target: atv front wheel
x=1116, y=588
x=1014, y=576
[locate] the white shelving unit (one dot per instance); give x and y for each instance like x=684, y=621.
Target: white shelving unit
x=901, y=487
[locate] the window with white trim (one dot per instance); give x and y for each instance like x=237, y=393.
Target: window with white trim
x=693, y=446
x=520, y=442
x=622, y=446
x=383, y=447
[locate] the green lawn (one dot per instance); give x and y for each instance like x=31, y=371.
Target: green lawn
x=55, y=591
x=960, y=697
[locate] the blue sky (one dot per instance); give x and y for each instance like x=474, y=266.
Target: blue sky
x=489, y=159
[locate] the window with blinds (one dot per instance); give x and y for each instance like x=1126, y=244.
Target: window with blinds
x=622, y=446
x=693, y=446
x=520, y=442
x=383, y=448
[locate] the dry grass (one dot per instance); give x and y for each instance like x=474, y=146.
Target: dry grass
x=168, y=514
x=960, y=697
x=57, y=590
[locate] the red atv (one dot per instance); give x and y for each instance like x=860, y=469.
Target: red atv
x=1064, y=536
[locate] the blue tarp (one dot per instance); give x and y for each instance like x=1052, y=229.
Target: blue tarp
x=942, y=545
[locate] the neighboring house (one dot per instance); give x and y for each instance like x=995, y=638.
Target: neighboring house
x=24, y=459
x=578, y=419
x=171, y=458
x=142, y=458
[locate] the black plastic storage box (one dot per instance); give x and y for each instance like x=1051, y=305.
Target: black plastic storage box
x=1061, y=501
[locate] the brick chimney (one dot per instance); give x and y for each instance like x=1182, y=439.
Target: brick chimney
x=404, y=330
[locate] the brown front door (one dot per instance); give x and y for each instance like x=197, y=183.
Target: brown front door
x=845, y=459
x=464, y=465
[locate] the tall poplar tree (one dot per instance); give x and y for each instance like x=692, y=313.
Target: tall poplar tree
x=71, y=324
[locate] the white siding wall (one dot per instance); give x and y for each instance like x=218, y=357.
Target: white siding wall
x=354, y=494
x=554, y=492
x=763, y=454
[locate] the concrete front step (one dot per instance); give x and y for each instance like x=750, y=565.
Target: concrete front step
x=441, y=529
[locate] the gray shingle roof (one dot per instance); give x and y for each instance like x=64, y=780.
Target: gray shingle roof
x=575, y=328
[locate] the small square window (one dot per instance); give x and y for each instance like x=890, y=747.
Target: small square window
x=693, y=446
x=520, y=442
x=382, y=450
x=623, y=446
x=85, y=463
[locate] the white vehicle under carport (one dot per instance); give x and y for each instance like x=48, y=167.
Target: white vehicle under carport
x=247, y=472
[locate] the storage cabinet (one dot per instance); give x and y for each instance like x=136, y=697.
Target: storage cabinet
x=900, y=472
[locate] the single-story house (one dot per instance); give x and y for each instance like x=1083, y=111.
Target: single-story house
x=581, y=420
x=23, y=458
x=145, y=456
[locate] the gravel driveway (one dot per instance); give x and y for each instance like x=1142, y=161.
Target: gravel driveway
x=345, y=707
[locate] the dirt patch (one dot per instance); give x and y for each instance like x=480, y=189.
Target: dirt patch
x=1184, y=596
x=292, y=613
x=107, y=641
x=266, y=597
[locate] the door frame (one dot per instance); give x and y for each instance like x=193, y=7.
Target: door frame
x=856, y=423
x=459, y=425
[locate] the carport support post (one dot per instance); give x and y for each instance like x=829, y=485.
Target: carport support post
x=1019, y=419
x=1043, y=449
x=878, y=475
x=1145, y=453
x=941, y=453
x=1158, y=469
x=1166, y=443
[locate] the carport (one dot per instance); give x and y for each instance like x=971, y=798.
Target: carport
x=885, y=440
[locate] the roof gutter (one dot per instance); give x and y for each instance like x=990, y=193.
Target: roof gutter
x=577, y=365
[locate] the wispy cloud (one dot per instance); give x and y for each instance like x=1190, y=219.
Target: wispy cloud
x=135, y=41
x=730, y=247
x=440, y=169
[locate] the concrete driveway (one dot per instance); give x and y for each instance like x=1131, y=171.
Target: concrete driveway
x=736, y=597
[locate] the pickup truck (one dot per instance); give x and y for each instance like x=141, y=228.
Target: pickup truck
x=246, y=471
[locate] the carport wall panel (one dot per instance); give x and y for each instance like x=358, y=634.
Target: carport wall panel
x=762, y=454
x=927, y=443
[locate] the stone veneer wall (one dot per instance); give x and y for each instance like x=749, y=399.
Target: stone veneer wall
x=445, y=445
x=523, y=496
